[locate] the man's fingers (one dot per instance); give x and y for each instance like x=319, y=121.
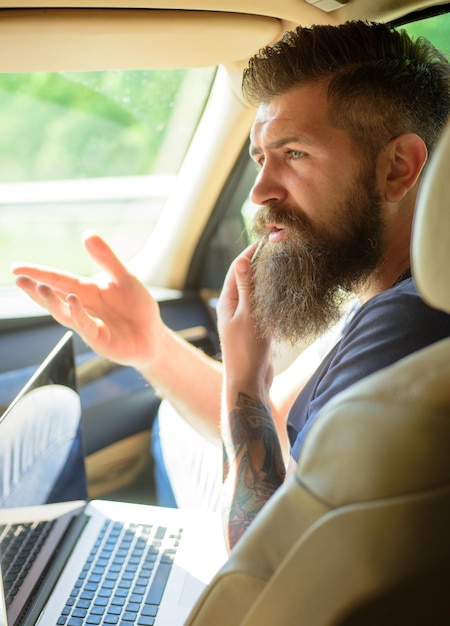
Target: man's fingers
x=103, y=255
x=46, y=297
x=25, y=283
x=82, y=322
x=61, y=282
x=66, y=282
x=40, y=292
x=244, y=274
x=237, y=281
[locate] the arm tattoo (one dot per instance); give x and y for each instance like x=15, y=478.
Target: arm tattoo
x=252, y=461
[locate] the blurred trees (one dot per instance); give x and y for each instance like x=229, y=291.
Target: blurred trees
x=78, y=125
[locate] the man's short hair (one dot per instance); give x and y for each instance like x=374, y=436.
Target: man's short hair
x=381, y=82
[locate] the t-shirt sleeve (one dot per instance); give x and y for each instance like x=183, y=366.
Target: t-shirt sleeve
x=385, y=329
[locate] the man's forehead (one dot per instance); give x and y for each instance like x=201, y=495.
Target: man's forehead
x=270, y=110
x=272, y=116
x=298, y=113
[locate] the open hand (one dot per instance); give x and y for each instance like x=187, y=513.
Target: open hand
x=114, y=312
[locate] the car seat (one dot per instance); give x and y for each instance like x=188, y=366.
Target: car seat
x=360, y=534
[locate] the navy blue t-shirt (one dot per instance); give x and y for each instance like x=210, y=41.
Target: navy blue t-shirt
x=388, y=327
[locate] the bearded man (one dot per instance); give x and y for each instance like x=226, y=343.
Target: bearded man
x=342, y=132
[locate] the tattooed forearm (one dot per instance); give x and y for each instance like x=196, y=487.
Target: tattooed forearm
x=253, y=463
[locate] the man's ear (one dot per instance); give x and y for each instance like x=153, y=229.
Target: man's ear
x=406, y=155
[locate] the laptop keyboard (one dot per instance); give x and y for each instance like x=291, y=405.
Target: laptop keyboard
x=123, y=579
x=20, y=544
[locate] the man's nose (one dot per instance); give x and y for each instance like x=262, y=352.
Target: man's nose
x=268, y=188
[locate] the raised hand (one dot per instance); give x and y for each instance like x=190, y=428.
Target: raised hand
x=246, y=356
x=114, y=312
x=253, y=461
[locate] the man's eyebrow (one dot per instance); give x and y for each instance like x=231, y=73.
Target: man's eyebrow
x=278, y=143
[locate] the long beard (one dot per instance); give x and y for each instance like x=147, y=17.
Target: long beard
x=303, y=281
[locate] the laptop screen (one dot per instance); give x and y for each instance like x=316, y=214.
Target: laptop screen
x=41, y=452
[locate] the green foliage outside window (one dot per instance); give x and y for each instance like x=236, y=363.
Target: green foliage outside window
x=436, y=29
x=83, y=125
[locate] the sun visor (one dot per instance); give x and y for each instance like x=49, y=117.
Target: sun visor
x=104, y=39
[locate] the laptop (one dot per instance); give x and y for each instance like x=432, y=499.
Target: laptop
x=97, y=562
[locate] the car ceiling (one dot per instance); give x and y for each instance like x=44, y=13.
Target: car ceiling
x=112, y=34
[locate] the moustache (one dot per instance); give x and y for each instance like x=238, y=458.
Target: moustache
x=281, y=215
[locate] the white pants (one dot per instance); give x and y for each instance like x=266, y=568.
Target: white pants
x=193, y=464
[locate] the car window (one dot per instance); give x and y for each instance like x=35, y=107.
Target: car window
x=435, y=28
x=89, y=150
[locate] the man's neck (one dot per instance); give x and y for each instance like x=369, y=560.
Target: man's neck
x=382, y=279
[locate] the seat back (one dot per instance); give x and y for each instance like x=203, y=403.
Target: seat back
x=360, y=534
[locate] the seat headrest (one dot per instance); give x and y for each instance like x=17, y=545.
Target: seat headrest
x=431, y=232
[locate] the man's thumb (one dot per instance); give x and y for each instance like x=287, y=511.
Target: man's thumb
x=244, y=271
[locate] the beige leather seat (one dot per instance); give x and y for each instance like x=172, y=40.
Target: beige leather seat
x=361, y=534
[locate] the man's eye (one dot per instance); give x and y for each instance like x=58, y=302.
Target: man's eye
x=295, y=154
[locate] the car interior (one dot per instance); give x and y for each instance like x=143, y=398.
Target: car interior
x=179, y=218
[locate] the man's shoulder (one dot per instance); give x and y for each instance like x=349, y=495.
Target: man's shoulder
x=397, y=308
x=388, y=327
